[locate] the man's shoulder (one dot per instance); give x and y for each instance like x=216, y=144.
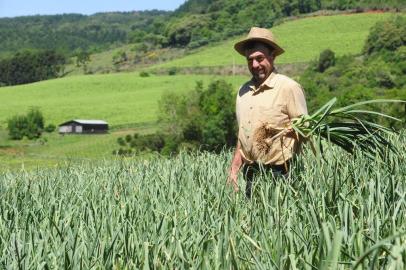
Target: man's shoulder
x=288, y=85
x=245, y=88
x=286, y=81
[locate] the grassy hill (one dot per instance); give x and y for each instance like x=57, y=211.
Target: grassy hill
x=120, y=99
x=303, y=40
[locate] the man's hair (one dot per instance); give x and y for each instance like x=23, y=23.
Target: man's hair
x=252, y=44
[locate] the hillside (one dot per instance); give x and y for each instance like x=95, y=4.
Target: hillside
x=120, y=99
x=194, y=24
x=303, y=40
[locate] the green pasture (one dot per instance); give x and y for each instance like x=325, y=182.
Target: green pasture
x=120, y=99
x=128, y=102
x=302, y=39
x=343, y=213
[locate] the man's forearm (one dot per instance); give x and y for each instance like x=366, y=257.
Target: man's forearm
x=236, y=164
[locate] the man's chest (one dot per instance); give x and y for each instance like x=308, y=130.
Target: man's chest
x=265, y=107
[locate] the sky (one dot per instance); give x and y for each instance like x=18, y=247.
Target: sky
x=13, y=8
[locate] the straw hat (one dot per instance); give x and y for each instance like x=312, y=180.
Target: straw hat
x=262, y=35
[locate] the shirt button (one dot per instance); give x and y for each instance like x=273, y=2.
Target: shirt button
x=249, y=122
x=248, y=137
x=251, y=107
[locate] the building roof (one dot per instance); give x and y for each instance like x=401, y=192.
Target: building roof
x=86, y=122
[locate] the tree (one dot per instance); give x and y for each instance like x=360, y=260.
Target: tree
x=82, y=59
x=386, y=35
x=218, y=116
x=118, y=58
x=203, y=117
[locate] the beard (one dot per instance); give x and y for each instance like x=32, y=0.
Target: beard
x=259, y=76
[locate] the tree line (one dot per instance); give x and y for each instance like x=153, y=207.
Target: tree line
x=193, y=24
x=31, y=66
x=70, y=32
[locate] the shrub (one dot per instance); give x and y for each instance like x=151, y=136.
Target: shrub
x=172, y=71
x=50, y=128
x=30, y=125
x=35, y=116
x=121, y=141
x=151, y=142
x=17, y=126
x=130, y=145
x=144, y=74
x=171, y=146
x=128, y=138
x=384, y=79
x=326, y=60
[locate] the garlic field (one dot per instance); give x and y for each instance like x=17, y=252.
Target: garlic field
x=335, y=212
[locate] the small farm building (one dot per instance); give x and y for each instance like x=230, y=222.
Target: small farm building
x=83, y=127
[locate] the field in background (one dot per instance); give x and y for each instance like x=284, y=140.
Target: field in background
x=128, y=102
x=120, y=99
x=179, y=214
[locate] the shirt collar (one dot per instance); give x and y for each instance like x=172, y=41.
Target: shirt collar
x=269, y=83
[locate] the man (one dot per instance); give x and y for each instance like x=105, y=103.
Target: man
x=265, y=108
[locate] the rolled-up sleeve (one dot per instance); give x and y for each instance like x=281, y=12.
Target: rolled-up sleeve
x=296, y=101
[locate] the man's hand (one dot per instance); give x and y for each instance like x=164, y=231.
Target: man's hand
x=278, y=133
x=232, y=180
x=234, y=168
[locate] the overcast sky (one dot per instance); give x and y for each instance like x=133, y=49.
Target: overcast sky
x=12, y=8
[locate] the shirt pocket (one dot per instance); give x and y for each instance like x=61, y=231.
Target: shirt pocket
x=275, y=116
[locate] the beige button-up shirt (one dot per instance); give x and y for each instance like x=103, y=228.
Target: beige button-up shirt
x=262, y=113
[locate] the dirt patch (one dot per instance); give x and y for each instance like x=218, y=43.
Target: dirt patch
x=6, y=150
x=293, y=69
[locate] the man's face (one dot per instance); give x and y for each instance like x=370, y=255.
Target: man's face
x=260, y=62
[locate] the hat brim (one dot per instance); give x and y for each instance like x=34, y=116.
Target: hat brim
x=241, y=45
